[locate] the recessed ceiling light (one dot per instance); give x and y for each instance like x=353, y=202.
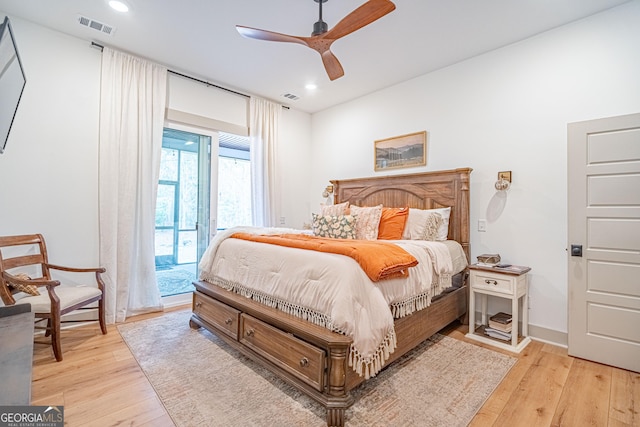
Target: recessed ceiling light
x=119, y=6
x=311, y=86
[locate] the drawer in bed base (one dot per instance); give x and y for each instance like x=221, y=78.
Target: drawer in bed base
x=224, y=318
x=295, y=356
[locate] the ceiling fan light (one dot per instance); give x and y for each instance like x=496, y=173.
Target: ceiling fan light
x=320, y=27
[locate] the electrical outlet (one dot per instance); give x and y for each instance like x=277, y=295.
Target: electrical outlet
x=282, y=220
x=482, y=225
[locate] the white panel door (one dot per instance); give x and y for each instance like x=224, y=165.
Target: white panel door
x=604, y=225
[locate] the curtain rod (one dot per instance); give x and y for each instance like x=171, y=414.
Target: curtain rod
x=99, y=46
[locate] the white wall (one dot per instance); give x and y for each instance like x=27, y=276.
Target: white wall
x=293, y=166
x=505, y=110
x=49, y=171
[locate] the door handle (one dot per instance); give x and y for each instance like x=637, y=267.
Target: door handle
x=576, y=250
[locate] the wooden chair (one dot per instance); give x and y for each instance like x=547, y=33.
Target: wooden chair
x=25, y=273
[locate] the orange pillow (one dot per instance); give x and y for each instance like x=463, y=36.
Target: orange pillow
x=392, y=223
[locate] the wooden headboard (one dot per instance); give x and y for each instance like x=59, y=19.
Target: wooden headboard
x=427, y=190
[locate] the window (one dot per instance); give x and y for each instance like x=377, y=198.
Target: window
x=234, y=181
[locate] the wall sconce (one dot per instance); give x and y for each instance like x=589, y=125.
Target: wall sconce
x=328, y=190
x=504, y=181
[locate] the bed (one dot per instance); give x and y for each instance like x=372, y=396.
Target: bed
x=312, y=358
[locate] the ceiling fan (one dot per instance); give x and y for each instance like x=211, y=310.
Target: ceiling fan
x=322, y=38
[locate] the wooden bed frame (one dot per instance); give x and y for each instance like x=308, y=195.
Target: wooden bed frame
x=314, y=359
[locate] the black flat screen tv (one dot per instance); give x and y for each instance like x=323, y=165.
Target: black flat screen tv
x=12, y=81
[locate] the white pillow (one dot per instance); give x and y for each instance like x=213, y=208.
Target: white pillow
x=416, y=227
x=367, y=221
x=334, y=210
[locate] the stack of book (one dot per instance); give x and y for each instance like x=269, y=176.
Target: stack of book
x=500, y=326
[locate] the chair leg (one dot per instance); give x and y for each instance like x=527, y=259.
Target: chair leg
x=103, y=324
x=55, y=335
x=47, y=331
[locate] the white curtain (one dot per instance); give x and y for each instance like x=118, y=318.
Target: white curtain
x=264, y=122
x=132, y=105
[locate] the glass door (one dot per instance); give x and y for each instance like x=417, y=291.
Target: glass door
x=182, y=209
x=166, y=209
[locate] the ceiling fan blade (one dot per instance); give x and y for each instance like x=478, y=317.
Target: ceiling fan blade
x=255, y=33
x=369, y=12
x=332, y=65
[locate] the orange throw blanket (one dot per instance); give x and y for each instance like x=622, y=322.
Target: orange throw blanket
x=379, y=260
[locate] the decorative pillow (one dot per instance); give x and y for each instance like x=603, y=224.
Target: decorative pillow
x=334, y=210
x=431, y=227
x=443, y=230
x=392, y=222
x=419, y=220
x=29, y=289
x=337, y=227
x=367, y=221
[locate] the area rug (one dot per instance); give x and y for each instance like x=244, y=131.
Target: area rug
x=204, y=382
x=175, y=281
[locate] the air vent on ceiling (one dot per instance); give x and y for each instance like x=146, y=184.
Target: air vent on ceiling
x=96, y=25
x=291, y=96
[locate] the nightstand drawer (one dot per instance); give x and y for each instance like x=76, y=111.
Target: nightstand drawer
x=493, y=282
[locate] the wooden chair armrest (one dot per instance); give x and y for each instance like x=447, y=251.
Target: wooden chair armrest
x=77, y=270
x=35, y=282
x=97, y=270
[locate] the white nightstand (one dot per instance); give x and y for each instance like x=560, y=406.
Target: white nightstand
x=511, y=283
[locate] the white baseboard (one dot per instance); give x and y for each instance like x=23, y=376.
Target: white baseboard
x=550, y=336
x=176, y=300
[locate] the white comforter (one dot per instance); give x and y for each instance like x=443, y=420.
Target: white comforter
x=328, y=289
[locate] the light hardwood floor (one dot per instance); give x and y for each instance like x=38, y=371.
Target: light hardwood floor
x=100, y=384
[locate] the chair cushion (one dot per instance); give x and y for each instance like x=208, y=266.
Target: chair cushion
x=69, y=295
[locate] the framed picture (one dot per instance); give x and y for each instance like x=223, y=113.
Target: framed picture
x=405, y=151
